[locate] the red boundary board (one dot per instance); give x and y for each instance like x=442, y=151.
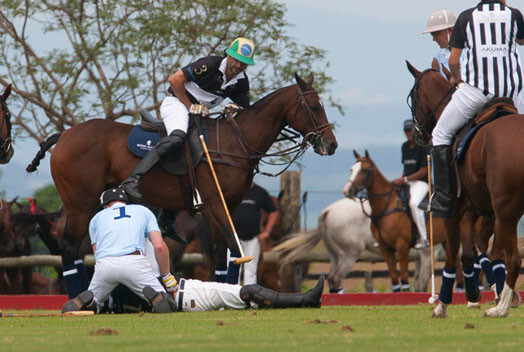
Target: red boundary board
x=55, y=302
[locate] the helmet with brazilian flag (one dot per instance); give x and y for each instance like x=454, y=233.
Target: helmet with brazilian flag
x=243, y=50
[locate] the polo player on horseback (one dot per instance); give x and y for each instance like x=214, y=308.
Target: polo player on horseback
x=491, y=68
x=195, y=88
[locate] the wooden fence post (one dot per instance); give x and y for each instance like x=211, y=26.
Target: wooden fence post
x=291, y=274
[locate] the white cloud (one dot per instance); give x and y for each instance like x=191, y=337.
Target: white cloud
x=359, y=97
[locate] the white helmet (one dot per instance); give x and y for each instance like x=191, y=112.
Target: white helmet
x=439, y=20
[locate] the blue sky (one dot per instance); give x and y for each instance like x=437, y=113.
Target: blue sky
x=367, y=44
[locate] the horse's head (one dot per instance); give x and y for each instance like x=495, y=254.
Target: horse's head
x=6, y=149
x=361, y=176
x=427, y=99
x=309, y=118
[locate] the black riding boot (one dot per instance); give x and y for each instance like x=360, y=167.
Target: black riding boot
x=441, y=199
x=164, y=147
x=266, y=298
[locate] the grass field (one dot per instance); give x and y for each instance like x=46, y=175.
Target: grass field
x=386, y=328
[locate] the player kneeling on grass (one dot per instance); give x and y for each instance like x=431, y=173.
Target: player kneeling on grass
x=120, y=230
x=120, y=234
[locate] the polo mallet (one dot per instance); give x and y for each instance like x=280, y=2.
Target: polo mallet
x=243, y=259
x=434, y=296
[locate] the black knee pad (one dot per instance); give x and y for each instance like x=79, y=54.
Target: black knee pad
x=259, y=295
x=169, y=144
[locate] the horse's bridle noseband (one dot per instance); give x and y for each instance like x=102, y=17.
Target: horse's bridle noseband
x=423, y=130
x=5, y=143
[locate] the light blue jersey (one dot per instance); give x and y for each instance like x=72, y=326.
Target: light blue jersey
x=443, y=59
x=121, y=229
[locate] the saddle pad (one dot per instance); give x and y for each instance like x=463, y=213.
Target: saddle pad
x=464, y=143
x=140, y=142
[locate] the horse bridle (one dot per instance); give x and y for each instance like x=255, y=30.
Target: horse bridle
x=5, y=143
x=423, y=130
x=314, y=137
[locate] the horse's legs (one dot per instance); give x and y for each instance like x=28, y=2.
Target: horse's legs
x=336, y=276
x=482, y=241
x=73, y=268
x=391, y=261
x=403, y=260
x=449, y=272
x=506, y=228
x=467, y=226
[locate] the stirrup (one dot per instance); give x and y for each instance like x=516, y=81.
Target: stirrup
x=197, y=200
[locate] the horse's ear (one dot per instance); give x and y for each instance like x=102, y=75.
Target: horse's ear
x=357, y=155
x=300, y=82
x=310, y=79
x=367, y=155
x=412, y=69
x=7, y=92
x=446, y=72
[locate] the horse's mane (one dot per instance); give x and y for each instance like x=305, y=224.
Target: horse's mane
x=266, y=97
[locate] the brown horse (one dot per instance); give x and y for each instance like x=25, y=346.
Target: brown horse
x=6, y=149
x=491, y=177
x=93, y=155
x=390, y=223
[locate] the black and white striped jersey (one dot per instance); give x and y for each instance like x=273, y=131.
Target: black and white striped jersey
x=490, y=61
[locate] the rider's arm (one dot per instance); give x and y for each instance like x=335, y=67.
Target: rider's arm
x=420, y=173
x=454, y=64
x=161, y=251
x=176, y=82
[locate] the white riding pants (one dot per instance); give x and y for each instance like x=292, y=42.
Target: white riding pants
x=174, y=114
x=133, y=271
x=200, y=296
x=465, y=103
x=251, y=247
x=417, y=191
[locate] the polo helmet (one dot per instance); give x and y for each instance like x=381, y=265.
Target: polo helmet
x=439, y=20
x=112, y=195
x=243, y=50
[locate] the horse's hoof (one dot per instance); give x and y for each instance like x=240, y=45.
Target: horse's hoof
x=473, y=296
x=516, y=300
x=473, y=305
x=440, y=311
x=495, y=313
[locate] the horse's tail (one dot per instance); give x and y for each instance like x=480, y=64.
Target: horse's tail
x=44, y=147
x=297, y=244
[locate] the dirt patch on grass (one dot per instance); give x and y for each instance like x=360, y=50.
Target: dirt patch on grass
x=103, y=331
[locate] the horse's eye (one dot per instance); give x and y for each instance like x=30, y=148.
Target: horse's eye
x=315, y=109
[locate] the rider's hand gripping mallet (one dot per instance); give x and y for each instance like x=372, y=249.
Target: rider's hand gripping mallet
x=243, y=258
x=434, y=296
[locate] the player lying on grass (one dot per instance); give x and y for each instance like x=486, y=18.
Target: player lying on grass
x=123, y=234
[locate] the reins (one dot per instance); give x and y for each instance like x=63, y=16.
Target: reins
x=423, y=137
x=255, y=156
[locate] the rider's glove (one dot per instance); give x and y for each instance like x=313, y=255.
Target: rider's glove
x=199, y=109
x=170, y=282
x=231, y=110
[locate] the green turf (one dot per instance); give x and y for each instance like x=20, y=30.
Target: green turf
x=399, y=328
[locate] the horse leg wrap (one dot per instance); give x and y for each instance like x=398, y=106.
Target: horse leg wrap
x=487, y=267
x=82, y=274
x=405, y=285
x=476, y=269
x=446, y=289
x=472, y=289
x=75, y=282
x=499, y=272
x=233, y=270
x=395, y=287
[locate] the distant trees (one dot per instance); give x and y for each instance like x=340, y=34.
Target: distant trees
x=75, y=60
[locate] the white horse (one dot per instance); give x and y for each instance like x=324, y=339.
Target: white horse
x=345, y=231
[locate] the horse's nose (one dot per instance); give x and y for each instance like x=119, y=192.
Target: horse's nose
x=332, y=146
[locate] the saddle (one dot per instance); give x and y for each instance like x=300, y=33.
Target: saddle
x=145, y=136
x=493, y=109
